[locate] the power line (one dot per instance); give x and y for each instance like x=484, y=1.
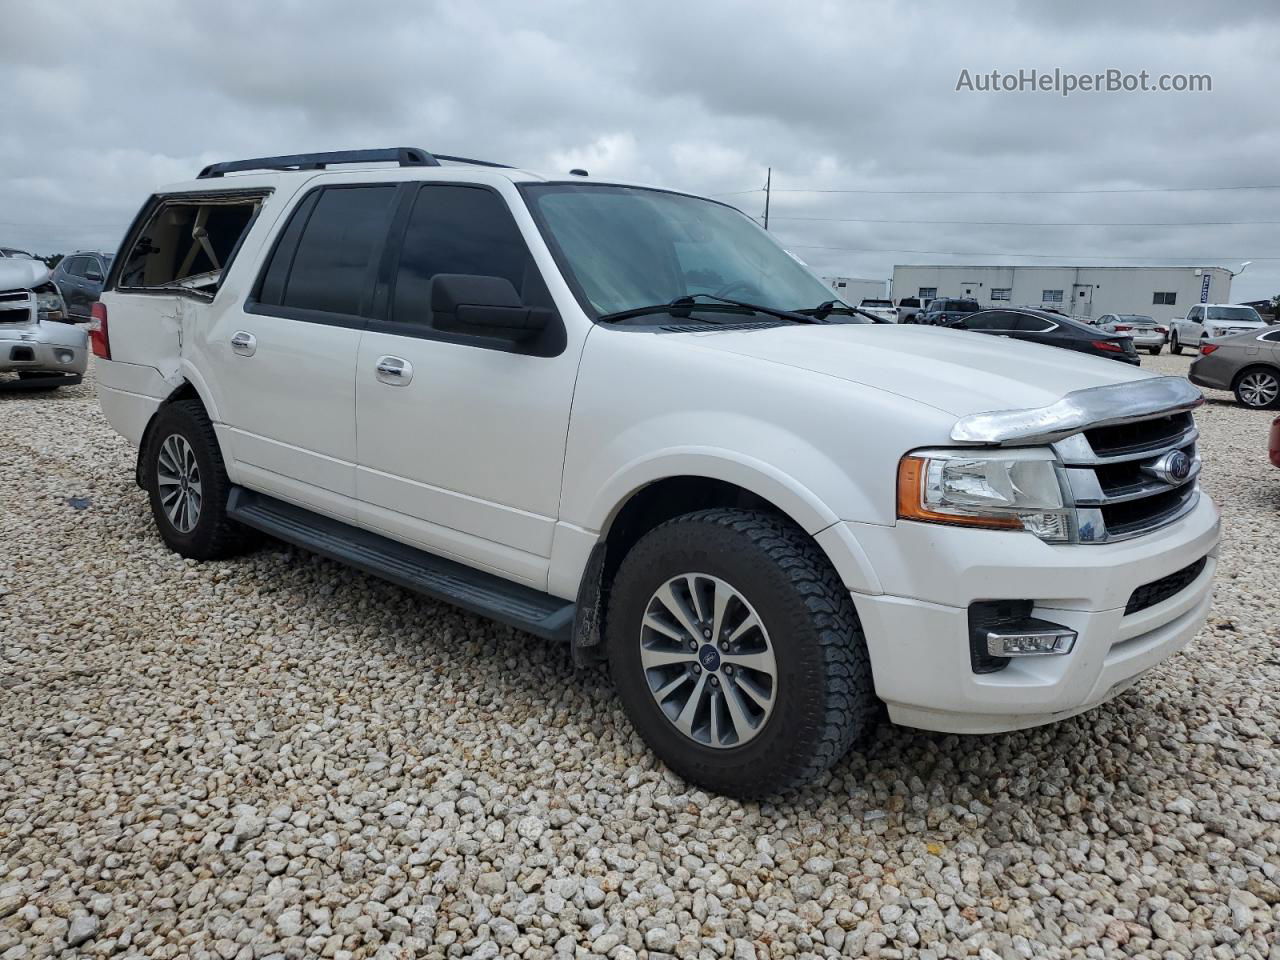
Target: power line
x=1036, y=223
x=1038, y=256
x=1260, y=186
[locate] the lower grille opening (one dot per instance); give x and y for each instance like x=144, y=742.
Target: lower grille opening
x=1130, y=515
x=1158, y=591
x=22, y=353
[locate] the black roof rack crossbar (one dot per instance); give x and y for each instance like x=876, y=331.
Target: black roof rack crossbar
x=404, y=156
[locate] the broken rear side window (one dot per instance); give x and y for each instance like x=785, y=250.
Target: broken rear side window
x=186, y=244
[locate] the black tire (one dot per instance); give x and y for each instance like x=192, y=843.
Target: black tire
x=1270, y=372
x=825, y=699
x=214, y=535
x=1174, y=346
x=1155, y=351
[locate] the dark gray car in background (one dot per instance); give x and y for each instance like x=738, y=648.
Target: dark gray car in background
x=79, y=277
x=1248, y=364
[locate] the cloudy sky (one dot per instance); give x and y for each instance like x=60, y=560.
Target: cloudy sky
x=102, y=102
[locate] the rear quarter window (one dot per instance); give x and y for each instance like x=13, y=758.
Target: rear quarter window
x=185, y=243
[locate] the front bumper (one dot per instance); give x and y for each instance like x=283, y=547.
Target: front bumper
x=44, y=347
x=918, y=630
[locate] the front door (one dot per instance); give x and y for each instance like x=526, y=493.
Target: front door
x=1082, y=299
x=462, y=438
x=285, y=350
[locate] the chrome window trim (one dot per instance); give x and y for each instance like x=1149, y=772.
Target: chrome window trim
x=1103, y=406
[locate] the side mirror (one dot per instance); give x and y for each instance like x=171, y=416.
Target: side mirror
x=487, y=306
x=94, y=275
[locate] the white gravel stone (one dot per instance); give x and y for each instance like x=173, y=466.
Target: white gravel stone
x=276, y=756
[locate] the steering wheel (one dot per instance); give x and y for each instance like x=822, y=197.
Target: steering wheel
x=728, y=288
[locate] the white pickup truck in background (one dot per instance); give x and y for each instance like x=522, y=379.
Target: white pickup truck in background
x=1207, y=320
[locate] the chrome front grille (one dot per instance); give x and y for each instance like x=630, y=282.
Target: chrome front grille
x=17, y=306
x=1120, y=480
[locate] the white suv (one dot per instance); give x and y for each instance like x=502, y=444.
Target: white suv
x=627, y=418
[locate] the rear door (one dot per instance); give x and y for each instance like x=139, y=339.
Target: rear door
x=284, y=357
x=73, y=286
x=461, y=449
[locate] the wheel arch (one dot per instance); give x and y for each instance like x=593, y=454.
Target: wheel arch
x=185, y=390
x=657, y=499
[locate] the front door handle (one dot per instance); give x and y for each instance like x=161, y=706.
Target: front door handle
x=394, y=371
x=243, y=343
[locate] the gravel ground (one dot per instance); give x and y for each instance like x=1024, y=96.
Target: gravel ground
x=276, y=756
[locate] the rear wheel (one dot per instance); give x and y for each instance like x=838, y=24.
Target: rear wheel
x=1155, y=351
x=737, y=652
x=1258, y=388
x=188, y=486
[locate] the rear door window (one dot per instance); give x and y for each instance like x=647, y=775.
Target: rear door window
x=332, y=266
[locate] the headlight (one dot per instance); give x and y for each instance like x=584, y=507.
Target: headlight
x=1000, y=489
x=49, y=301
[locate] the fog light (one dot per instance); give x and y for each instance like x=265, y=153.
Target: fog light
x=1030, y=638
x=64, y=356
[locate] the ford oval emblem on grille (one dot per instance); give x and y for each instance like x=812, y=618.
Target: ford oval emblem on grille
x=1174, y=467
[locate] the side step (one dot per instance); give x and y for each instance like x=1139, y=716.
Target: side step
x=484, y=593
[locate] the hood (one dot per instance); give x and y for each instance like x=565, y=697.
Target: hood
x=956, y=371
x=18, y=274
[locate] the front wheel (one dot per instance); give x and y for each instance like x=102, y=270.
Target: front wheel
x=1174, y=346
x=737, y=652
x=1258, y=388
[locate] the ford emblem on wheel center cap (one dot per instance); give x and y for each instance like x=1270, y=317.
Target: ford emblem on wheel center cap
x=709, y=657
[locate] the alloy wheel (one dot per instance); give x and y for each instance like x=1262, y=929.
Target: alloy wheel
x=708, y=660
x=1259, y=388
x=178, y=479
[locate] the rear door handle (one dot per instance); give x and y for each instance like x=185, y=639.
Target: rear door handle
x=395, y=371
x=243, y=343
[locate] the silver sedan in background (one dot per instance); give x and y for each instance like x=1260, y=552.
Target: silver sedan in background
x=1248, y=364
x=1147, y=334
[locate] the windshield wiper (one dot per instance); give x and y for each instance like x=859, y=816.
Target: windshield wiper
x=828, y=307
x=683, y=306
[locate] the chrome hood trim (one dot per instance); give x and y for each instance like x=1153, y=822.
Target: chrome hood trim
x=1095, y=407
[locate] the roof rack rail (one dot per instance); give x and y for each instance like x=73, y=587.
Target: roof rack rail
x=404, y=156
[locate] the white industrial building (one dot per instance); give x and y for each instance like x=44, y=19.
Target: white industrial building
x=855, y=289
x=1160, y=292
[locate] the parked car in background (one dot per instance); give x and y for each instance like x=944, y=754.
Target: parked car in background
x=492, y=387
x=1248, y=364
x=49, y=302
x=35, y=352
x=884, y=309
x=1052, y=330
x=948, y=311
x=1205, y=321
x=909, y=309
x=1147, y=334
x=80, y=277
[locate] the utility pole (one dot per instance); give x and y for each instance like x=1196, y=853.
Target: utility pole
x=768, y=182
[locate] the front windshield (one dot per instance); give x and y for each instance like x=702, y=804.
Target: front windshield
x=631, y=247
x=1234, y=313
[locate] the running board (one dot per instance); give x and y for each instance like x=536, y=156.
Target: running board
x=484, y=593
